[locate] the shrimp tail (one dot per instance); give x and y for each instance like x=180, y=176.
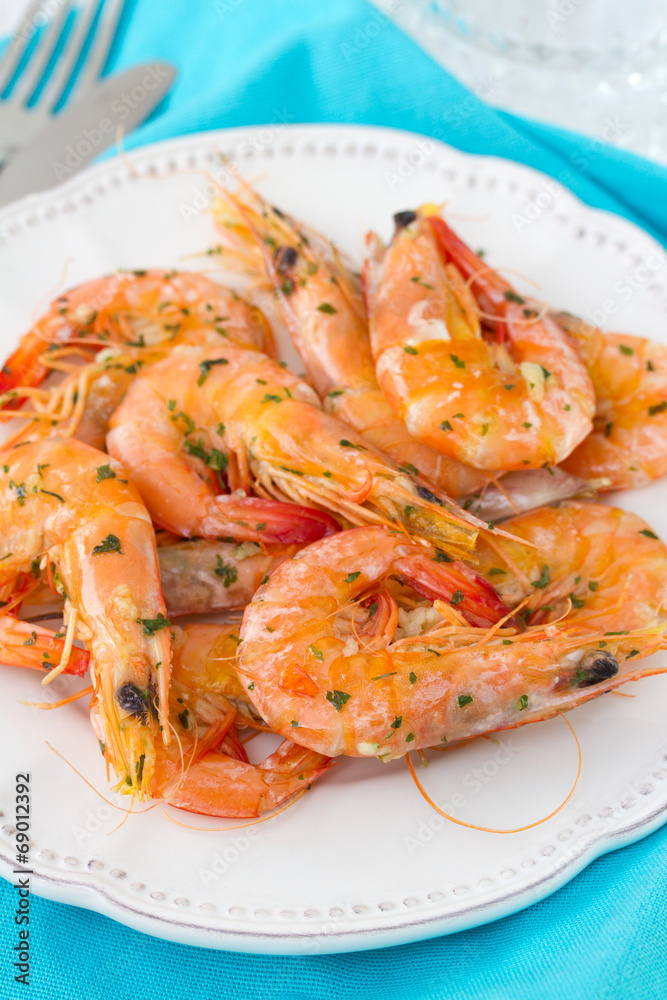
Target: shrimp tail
x=219, y=785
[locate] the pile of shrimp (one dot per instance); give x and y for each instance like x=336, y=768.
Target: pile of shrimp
x=406, y=540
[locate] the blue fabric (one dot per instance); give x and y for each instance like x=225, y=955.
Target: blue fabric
x=603, y=936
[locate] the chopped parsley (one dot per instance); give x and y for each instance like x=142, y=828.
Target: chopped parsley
x=338, y=699
x=205, y=367
x=544, y=578
x=153, y=625
x=19, y=489
x=56, y=495
x=228, y=572
x=109, y=544
x=105, y=472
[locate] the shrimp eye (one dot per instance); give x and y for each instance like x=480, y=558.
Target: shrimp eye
x=595, y=666
x=285, y=258
x=403, y=219
x=427, y=495
x=134, y=701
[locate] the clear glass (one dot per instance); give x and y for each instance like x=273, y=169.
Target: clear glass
x=594, y=66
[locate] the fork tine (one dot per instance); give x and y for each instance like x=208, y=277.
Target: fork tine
x=99, y=50
x=47, y=44
x=63, y=69
x=18, y=43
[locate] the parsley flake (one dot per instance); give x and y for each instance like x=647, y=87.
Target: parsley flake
x=110, y=544
x=338, y=699
x=544, y=578
x=105, y=472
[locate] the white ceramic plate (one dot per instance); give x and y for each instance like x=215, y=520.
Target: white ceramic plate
x=361, y=861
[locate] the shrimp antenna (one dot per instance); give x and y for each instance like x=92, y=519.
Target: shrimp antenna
x=91, y=786
x=46, y=705
x=488, y=829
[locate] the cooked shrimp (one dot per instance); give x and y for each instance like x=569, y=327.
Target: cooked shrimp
x=137, y=308
x=197, y=575
x=322, y=306
x=188, y=495
x=205, y=769
x=523, y=403
x=322, y=660
x=606, y=562
x=263, y=424
x=207, y=696
x=205, y=575
x=521, y=491
x=65, y=506
x=628, y=443
x=81, y=405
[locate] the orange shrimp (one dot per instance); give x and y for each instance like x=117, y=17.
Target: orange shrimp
x=205, y=769
x=323, y=660
x=137, y=308
x=65, y=507
x=628, y=443
x=523, y=403
x=263, y=425
x=321, y=303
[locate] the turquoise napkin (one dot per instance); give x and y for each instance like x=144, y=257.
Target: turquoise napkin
x=603, y=936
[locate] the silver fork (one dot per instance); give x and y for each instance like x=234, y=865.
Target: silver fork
x=18, y=122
